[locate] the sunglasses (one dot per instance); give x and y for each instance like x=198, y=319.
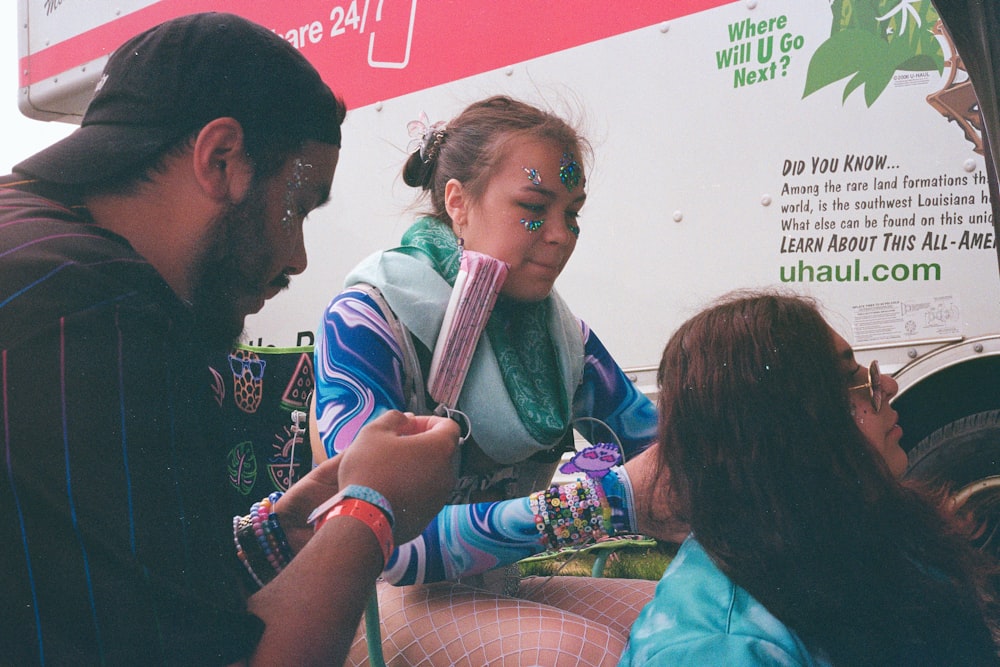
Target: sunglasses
x=240, y=366
x=874, y=386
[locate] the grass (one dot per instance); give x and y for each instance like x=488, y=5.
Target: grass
x=630, y=558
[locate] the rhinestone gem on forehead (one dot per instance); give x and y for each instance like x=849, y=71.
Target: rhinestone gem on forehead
x=533, y=175
x=569, y=171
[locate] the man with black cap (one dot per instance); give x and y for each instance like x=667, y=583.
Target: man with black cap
x=130, y=254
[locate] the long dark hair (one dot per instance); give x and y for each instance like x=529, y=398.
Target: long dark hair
x=791, y=501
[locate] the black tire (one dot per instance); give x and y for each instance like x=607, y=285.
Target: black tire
x=964, y=457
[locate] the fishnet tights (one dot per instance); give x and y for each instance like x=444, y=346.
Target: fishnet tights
x=557, y=622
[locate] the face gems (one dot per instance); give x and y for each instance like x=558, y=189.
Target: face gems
x=295, y=182
x=569, y=171
x=533, y=176
x=536, y=179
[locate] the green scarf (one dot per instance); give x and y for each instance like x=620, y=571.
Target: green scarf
x=519, y=335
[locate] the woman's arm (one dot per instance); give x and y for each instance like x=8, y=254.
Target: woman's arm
x=608, y=395
x=468, y=539
x=357, y=365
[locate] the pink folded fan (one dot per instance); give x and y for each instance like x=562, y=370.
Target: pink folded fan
x=476, y=288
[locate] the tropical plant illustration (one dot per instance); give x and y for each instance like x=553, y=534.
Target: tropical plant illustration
x=870, y=40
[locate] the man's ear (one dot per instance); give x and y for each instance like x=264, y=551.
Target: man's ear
x=456, y=203
x=221, y=166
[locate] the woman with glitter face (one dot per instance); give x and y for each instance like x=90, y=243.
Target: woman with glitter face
x=507, y=180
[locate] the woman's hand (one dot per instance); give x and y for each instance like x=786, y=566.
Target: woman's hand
x=650, y=486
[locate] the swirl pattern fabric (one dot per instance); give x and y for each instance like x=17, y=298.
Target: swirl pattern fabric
x=464, y=540
x=359, y=376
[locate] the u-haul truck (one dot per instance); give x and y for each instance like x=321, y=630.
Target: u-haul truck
x=834, y=148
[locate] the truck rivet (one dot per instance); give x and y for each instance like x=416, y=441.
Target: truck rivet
x=664, y=28
x=378, y=106
x=969, y=165
x=678, y=216
x=978, y=347
x=765, y=200
x=912, y=354
x=751, y=4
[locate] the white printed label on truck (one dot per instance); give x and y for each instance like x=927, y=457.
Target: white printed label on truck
x=901, y=320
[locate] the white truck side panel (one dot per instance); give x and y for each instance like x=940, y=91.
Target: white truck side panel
x=687, y=197
x=712, y=172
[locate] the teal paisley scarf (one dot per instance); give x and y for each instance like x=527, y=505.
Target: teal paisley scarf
x=519, y=335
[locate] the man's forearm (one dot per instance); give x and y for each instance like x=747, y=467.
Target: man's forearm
x=312, y=609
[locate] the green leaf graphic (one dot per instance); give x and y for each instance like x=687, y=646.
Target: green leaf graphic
x=845, y=53
x=241, y=464
x=870, y=40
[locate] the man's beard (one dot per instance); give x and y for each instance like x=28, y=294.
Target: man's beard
x=231, y=270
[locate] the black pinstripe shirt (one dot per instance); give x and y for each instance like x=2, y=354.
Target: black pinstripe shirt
x=115, y=547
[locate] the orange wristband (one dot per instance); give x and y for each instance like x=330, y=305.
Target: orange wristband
x=368, y=514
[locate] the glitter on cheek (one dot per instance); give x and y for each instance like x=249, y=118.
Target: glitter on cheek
x=533, y=175
x=532, y=225
x=292, y=187
x=569, y=171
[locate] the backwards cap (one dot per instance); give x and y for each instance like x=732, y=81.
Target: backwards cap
x=173, y=79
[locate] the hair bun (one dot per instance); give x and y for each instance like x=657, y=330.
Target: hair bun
x=417, y=172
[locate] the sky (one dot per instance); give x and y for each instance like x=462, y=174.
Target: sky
x=22, y=136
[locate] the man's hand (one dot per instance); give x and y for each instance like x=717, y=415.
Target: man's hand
x=303, y=497
x=311, y=609
x=410, y=460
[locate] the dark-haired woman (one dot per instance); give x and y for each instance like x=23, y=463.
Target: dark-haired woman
x=783, y=455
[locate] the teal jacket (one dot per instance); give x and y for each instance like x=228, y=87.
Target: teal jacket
x=700, y=617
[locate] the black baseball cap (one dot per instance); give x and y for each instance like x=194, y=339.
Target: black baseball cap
x=173, y=79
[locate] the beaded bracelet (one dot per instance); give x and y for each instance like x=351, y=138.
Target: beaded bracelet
x=368, y=514
x=260, y=542
x=571, y=514
x=266, y=529
x=239, y=525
